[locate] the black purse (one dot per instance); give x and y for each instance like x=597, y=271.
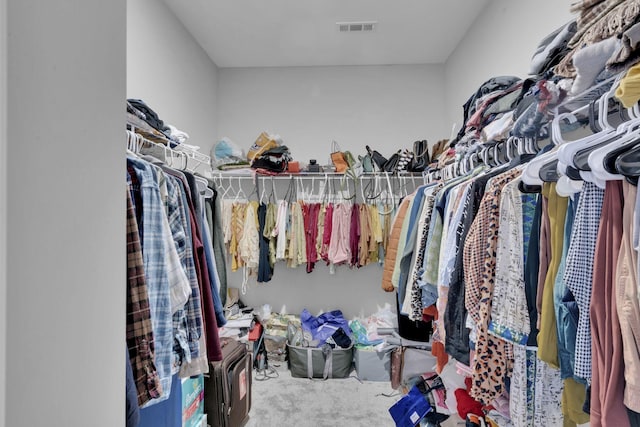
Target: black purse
x=378, y=159
x=391, y=165
x=421, y=156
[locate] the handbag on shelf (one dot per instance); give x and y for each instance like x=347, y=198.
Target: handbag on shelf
x=367, y=163
x=378, y=159
x=405, y=160
x=338, y=158
x=391, y=165
x=348, y=157
x=421, y=156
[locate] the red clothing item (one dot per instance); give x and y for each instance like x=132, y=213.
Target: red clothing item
x=466, y=404
x=354, y=234
x=310, y=213
x=214, y=351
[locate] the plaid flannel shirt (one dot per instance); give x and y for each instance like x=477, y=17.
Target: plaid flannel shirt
x=189, y=318
x=154, y=250
x=139, y=329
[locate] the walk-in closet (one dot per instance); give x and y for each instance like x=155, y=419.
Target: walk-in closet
x=261, y=214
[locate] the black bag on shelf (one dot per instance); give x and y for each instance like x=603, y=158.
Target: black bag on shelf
x=421, y=156
x=391, y=165
x=378, y=159
x=275, y=160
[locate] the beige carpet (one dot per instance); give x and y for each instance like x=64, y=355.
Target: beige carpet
x=285, y=401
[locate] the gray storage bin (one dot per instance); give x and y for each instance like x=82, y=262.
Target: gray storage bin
x=372, y=365
x=310, y=362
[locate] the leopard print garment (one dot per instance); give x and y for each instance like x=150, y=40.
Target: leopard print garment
x=493, y=360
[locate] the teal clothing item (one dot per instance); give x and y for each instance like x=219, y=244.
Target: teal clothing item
x=431, y=259
x=214, y=220
x=395, y=278
x=213, y=277
x=528, y=211
x=566, y=306
x=432, y=253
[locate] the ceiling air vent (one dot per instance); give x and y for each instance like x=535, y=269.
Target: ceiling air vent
x=356, y=27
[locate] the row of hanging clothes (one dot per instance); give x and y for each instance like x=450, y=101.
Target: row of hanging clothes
x=344, y=220
x=526, y=259
x=176, y=281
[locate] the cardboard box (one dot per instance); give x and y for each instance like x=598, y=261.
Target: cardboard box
x=372, y=365
x=192, y=401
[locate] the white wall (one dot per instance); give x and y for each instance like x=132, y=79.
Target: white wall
x=500, y=42
x=355, y=292
x=387, y=107
x=3, y=205
x=65, y=339
x=169, y=71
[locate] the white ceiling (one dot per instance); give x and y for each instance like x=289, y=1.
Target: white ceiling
x=273, y=33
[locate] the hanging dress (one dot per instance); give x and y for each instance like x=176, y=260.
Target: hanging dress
x=280, y=229
x=339, y=251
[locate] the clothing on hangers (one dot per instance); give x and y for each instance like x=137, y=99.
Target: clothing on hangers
x=140, y=341
x=144, y=180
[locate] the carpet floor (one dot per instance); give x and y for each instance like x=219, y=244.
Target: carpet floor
x=285, y=401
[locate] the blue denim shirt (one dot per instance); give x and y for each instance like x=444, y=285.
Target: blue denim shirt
x=213, y=274
x=567, y=312
x=405, y=262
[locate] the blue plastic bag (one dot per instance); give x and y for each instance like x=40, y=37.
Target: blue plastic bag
x=323, y=326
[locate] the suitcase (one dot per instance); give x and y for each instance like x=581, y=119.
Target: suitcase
x=227, y=387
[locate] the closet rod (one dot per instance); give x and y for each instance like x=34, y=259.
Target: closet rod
x=318, y=175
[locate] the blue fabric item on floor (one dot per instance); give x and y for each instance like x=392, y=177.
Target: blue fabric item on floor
x=409, y=410
x=167, y=413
